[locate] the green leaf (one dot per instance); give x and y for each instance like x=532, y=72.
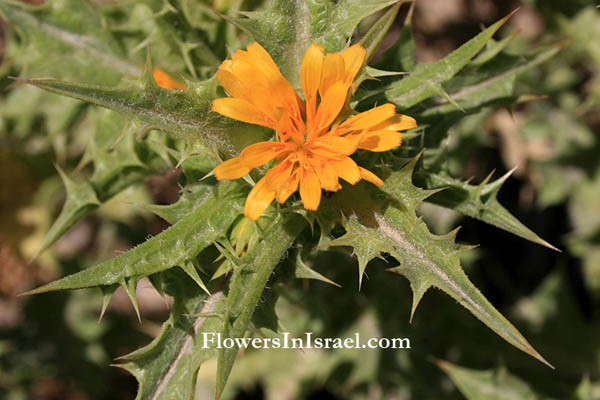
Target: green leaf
x=185, y=114
x=303, y=271
x=176, y=245
x=176, y=30
x=385, y=222
x=496, y=384
x=488, y=85
x=494, y=79
x=81, y=199
x=116, y=167
x=374, y=36
x=188, y=202
x=426, y=81
x=476, y=201
x=587, y=390
x=248, y=282
x=492, y=49
x=288, y=28
x=68, y=39
x=167, y=367
x=402, y=56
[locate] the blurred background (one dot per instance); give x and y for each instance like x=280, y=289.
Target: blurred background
x=53, y=347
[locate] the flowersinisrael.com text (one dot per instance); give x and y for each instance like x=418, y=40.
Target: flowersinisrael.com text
x=286, y=341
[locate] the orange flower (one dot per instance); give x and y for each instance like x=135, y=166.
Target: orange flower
x=313, y=144
x=163, y=80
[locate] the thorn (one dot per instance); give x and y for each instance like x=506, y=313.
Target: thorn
x=445, y=95
x=564, y=43
x=130, y=284
x=190, y=269
x=436, y=361
x=148, y=74
x=211, y=173
x=409, y=15
x=107, y=292
x=510, y=15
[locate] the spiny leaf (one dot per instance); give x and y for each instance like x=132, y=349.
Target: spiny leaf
x=76, y=47
x=494, y=79
x=478, y=202
x=107, y=293
x=81, y=199
x=112, y=149
x=403, y=54
x=488, y=86
x=492, y=49
x=185, y=114
x=385, y=222
x=303, y=271
x=192, y=272
x=426, y=81
x=187, y=203
x=495, y=384
x=177, y=32
x=364, y=250
x=116, y=167
x=172, y=247
x=289, y=27
x=167, y=367
x=248, y=282
x=372, y=39
x=130, y=286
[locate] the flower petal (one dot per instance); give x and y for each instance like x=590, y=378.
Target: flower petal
x=279, y=174
x=258, y=200
x=327, y=176
x=333, y=72
x=310, y=75
x=163, y=80
x=330, y=146
x=288, y=127
x=263, y=61
x=331, y=105
x=260, y=153
x=242, y=111
x=382, y=140
x=310, y=189
x=259, y=87
x=354, y=58
x=243, y=67
x=253, y=76
x=347, y=170
x=288, y=187
x=369, y=176
x=368, y=119
x=232, y=84
x=230, y=169
x=398, y=122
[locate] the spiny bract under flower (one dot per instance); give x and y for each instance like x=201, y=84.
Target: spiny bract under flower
x=314, y=143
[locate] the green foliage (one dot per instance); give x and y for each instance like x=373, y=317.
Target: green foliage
x=426, y=81
x=92, y=54
x=287, y=28
x=389, y=225
x=176, y=246
x=167, y=367
x=477, y=201
x=489, y=385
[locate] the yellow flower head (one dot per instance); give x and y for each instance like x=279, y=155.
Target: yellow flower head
x=313, y=145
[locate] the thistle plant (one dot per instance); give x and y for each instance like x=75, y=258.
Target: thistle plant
x=281, y=103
